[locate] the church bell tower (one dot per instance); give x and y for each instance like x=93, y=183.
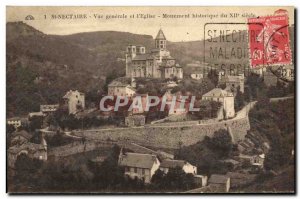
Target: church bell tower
x=160, y=40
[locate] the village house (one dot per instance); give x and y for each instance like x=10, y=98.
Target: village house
x=135, y=120
x=144, y=99
x=139, y=166
x=32, y=150
x=15, y=121
x=121, y=88
x=233, y=82
x=19, y=137
x=158, y=63
x=256, y=160
x=220, y=182
x=197, y=76
x=223, y=96
x=35, y=114
x=180, y=105
x=49, y=108
x=200, y=180
x=75, y=101
x=238, y=179
x=167, y=164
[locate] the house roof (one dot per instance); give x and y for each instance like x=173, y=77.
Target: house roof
x=160, y=35
x=234, y=78
x=118, y=84
x=35, y=114
x=217, y=92
x=138, y=160
x=70, y=92
x=173, y=163
x=48, y=106
x=13, y=118
x=234, y=162
x=31, y=147
x=217, y=179
x=23, y=133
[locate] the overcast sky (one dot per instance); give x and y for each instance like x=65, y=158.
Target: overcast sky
x=175, y=29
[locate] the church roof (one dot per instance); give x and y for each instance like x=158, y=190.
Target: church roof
x=160, y=35
x=141, y=57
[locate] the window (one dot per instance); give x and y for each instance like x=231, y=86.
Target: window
x=126, y=169
x=143, y=171
x=161, y=46
x=135, y=170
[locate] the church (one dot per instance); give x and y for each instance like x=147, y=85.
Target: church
x=158, y=63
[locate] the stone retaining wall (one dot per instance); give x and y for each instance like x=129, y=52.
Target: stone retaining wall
x=168, y=136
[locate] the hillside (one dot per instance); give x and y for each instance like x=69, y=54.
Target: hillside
x=79, y=61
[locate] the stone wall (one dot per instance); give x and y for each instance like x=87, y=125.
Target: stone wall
x=78, y=147
x=168, y=135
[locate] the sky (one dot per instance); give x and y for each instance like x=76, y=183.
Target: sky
x=175, y=29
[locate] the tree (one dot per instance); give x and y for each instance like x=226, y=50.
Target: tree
x=239, y=100
x=27, y=170
x=221, y=143
x=213, y=76
x=36, y=122
x=175, y=179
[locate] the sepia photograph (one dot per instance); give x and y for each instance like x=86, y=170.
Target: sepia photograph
x=150, y=100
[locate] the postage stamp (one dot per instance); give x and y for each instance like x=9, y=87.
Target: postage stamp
x=269, y=42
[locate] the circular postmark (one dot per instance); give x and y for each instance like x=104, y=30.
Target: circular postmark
x=276, y=50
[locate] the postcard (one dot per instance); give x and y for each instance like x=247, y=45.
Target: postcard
x=148, y=100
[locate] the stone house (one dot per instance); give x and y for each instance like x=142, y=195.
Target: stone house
x=120, y=88
x=144, y=100
x=258, y=160
x=140, y=166
x=75, y=101
x=180, y=105
x=19, y=137
x=167, y=164
x=223, y=96
x=233, y=82
x=32, y=150
x=15, y=121
x=48, y=108
x=197, y=76
x=35, y=114
x=135, y=120
x=220, y=182
x=200, y=180
x=158, y=63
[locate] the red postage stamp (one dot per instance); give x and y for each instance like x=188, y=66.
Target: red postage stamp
x=269, y=42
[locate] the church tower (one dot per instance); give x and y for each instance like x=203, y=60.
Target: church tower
x=160, y=40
